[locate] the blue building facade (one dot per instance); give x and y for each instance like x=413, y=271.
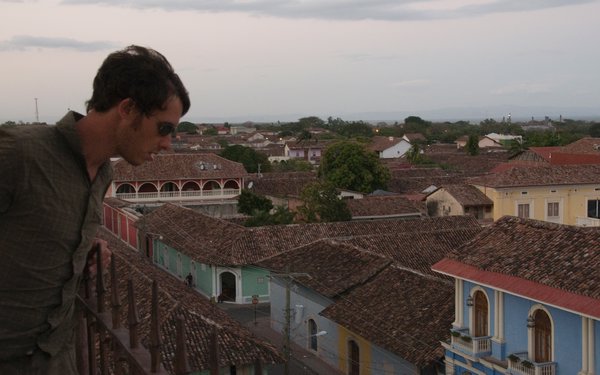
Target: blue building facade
x=524, y=322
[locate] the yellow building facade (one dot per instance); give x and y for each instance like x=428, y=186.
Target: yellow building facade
x=546, y=194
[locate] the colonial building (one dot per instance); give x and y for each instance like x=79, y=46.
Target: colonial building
x=459, y=199
x=527, y=300
x=182, y=178
x=389, y=147
x=560, y=194
x=370, y=304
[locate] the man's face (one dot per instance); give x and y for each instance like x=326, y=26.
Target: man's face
x=146, y=136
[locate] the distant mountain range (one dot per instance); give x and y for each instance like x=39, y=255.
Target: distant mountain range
x=472, y=114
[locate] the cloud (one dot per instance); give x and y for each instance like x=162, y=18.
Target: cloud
x=25, y=42
x=523, y=88
x=390, y=10
x=415, y=83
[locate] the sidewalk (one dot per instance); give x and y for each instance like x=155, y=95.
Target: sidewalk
x=302, y=361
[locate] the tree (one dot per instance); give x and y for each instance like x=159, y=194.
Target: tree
x=249, y=203
x=293, y=165
x=595, y=130
x=280, y=216
x=310, y=122
x=413, y=154
x=349, y=165
x=515, y=147
x=251, y=159
x=322, y=204
x=187, y=127
x=472, y=146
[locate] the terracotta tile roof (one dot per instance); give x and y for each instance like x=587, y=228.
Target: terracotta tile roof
x=237, y=345
x=544, y=152
x=587, y=145
x=388, y=205
x=417, y=250
x=196, y=235
x=415, y=137
x=179, y=166
x=331, y=267
x=306, y=144
x=262, y=242
x=459, y=160
x=541, y=176
x=559, y=256
x=468, y=195
x=281, y=184
x=415, y=181
x=380, y=143
x=560, y=158
x=214, y=241
x=401, y=311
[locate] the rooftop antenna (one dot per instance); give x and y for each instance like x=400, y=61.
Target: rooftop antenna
x=37, y=114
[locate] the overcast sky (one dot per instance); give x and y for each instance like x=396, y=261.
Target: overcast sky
x=285, y=59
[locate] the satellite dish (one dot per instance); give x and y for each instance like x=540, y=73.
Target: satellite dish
x=250, y=184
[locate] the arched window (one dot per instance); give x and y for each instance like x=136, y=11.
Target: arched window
x=312, y=335
x=542, y=337
x=353, y=358
x=481, y=315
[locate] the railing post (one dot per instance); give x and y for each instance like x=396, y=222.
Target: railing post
x=155, y=330
x=114, y=296
x=100, y=289
x=132, y=316
x=214, y=352
x=82, y=340
x=258, y=367
x=181, y=364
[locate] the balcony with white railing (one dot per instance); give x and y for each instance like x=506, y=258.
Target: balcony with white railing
x=587, y=222
x=189, y=195
x=519, y=364
x=475, y=346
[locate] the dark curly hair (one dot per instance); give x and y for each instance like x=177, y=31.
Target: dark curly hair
x=141, y=74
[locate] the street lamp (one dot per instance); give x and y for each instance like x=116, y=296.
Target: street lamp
x=320, y=333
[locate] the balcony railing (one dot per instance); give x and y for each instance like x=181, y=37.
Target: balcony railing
x=107, y=346
x=476, y=346
x=587, y=222
x=179, y=195
x=519, y=364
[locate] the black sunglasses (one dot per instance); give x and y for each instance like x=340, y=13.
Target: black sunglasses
x=164, y=129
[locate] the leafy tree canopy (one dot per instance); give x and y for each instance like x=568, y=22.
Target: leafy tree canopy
x=249, y=203
x=187, y=127
x=322, y=204
x=349, y=165
x=310, y=122
x=595, y=130
x=248, y=157
x=472, y=146
x=281, y=215
x=293, y=165
x=210, y=131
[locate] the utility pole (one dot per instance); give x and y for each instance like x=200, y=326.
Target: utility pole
x=287, y=350
x=37, y=114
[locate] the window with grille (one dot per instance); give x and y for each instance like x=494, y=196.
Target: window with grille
x=553, y=209
x=523, y=210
